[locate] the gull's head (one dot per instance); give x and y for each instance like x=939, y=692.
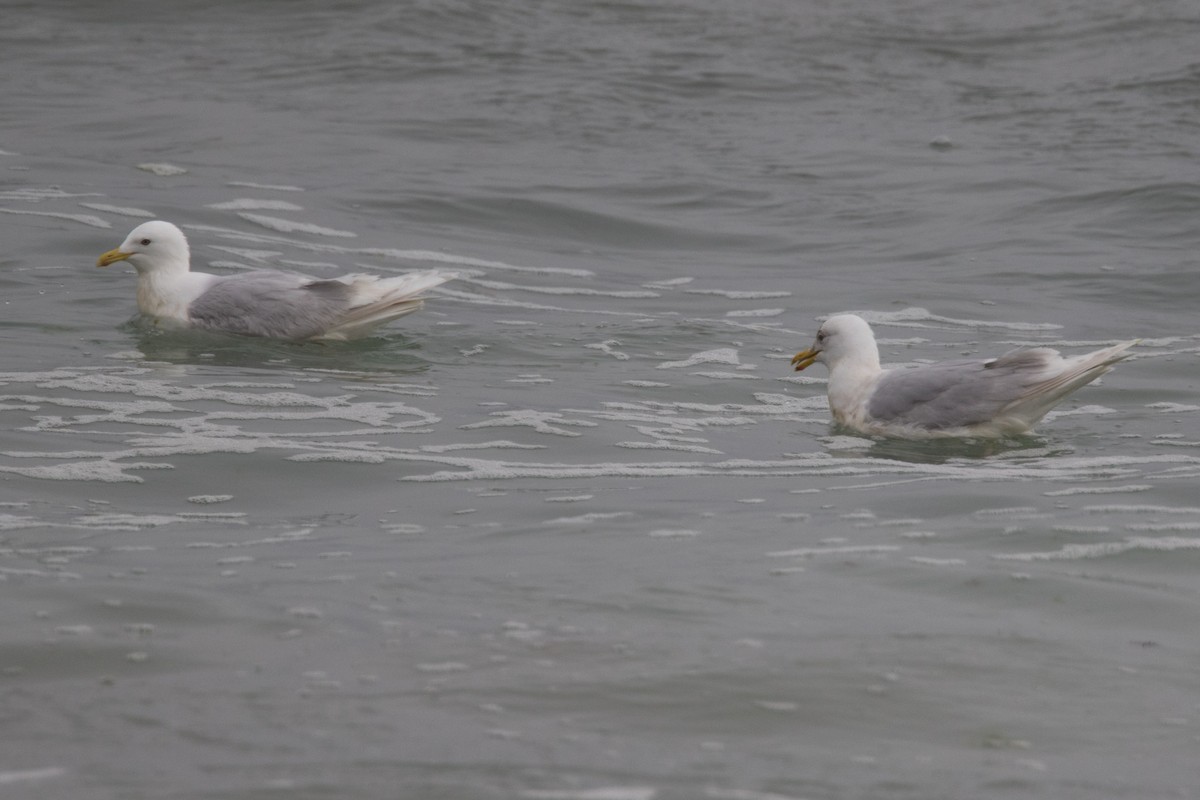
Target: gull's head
x=151, y=246
x=841, y=337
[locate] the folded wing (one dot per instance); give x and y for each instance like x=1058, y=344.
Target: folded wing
x=286, y=306
x=1010, y=393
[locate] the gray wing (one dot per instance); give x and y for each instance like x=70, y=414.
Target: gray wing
x=955, y=394
x=269, y=303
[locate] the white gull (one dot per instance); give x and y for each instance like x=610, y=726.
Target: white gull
x=271, y=303
x=968, y=397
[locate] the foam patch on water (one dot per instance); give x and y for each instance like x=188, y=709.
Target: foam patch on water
x=126, y=522
x=101, y=471
x=260, y=257
x=1076, y=552
x=139, y=417
x=505, y=302
x=123, y=211
x=187, y=420
x=845, y=550
x=1161, y=527
x=162, y=170
x=603, y=793
x=498, y=444
x=289, y=226
x=1141, y=509
x=40, y=194
x=468, y=261
x=668, y=445
x=562, y=290
x=1081, y=411
x=540, y=421
x=745, y=794
x=819, y=464
x=756, y=312
x=340, y=456
x=1077, y=490
x=302, y=534
x=530, y=378
x=736, y=294
x=11, y=777
x=1097, y=530
x=937, y=562
x=133, y=382
x=726, y=376
x=57, y=575
x=266, y=186
x=921, y=317
x=83, y=219
x=1158, y=442
x=723, y=355
x=1021, y=512
x=589, y=519
x=608, y=347
x=1173, y=408
x=673, y=533
x=250, y=204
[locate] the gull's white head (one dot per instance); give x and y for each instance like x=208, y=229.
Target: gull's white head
x=151, y=246
x=845, y=336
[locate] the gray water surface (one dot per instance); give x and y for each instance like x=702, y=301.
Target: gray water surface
x=575, y=530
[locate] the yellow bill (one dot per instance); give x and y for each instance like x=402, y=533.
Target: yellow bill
x=112, y=257
x=805, y=358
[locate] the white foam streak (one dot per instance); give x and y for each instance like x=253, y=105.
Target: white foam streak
x=486, y=300
x=588, y=519
x=288, y=226
x=9, y=777
x=916, y=317
x=250, y=204
x=468, y=261
x=1076, y=552
x=736, y=294
x=562, y=290
x=667, y=445
x=123, y=211
x=540, y=421
x=1076, y=490
x=1142, y=509
x=847, y=550
x=607, y=347
x=266, y=186
x=84, y=219
x=723, y=355
x=819, y=464
x=603, y=793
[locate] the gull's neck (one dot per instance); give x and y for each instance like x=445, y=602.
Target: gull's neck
x=165, y=290
x=850, y=381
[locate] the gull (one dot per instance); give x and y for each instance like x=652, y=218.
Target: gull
x=968, y=397
x=270, y=303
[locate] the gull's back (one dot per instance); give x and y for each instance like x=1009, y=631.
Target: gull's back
x=273, y=304
x=1008, y=394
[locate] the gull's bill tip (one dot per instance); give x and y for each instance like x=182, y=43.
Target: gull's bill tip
x=111, y=257
x=804, y=358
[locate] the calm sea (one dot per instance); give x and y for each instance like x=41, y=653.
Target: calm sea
x=575, y=531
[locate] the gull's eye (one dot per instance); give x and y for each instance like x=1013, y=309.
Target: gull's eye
x=821, y=336
x=145, y=242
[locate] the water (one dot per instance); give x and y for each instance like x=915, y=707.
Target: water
x=574, y=530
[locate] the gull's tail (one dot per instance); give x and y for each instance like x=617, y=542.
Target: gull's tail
x=376, y=301
x=1064, y=376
